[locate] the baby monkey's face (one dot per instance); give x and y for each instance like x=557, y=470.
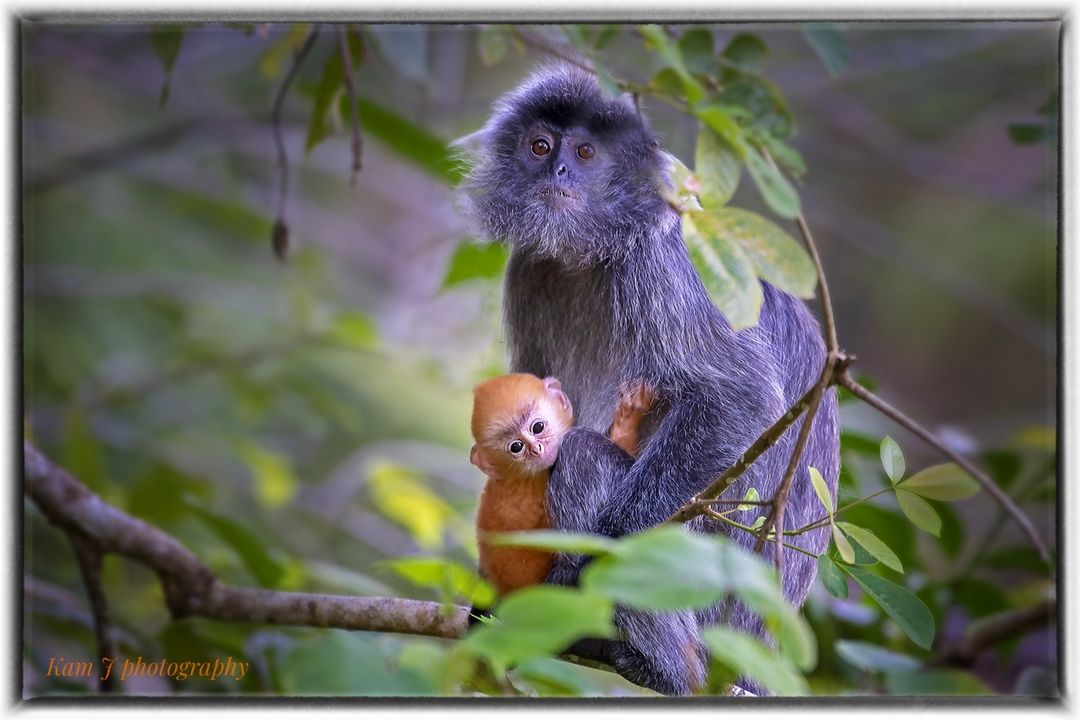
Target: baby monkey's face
x=521, y=437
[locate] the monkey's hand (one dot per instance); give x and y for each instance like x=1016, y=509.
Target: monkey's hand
x=636, y=400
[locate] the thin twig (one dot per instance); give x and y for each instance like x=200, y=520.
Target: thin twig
x=89, y=557
x=992, y=631
x=281, y=228
x=845, y=380
x=552, y=49
x=354, y=109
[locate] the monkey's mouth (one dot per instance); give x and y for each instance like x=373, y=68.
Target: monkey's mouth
x=557, y=197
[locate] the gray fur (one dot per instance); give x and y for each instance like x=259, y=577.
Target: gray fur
x=601, y=292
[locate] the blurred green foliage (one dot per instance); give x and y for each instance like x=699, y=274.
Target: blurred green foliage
x=280, y=422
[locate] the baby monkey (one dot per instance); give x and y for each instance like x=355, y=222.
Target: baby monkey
x=518, y=422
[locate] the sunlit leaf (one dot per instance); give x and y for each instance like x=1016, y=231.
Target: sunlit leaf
x=725, y=269
x=847, y=553
x=399, y=494
x=779, y=194
x=892, y=459
x=275, y=483
x=777, y=257
x=919, y=512
x=747, y=656
x=873, y=545
x=751, y=497
x=942, y=482
x=899, y=603
x=822, y=490
x=717, y=168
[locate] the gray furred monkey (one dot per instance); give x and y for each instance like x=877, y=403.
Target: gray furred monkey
x=600, y=291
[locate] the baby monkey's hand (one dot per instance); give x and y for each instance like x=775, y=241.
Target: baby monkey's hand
x=636, y=400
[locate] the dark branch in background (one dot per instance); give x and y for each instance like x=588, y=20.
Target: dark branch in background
x=1004, y=501
x=280, y=233
x=354, y=109
x=89, y=557
x=987, y=633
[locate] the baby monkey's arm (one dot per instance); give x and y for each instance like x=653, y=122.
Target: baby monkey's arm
x=635, y=401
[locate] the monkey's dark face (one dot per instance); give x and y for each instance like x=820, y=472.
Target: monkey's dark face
x=564, y=172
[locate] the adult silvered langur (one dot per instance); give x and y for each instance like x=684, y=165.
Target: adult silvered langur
x=600, y=292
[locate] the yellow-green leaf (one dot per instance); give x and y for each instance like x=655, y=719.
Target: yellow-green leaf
x=275, y=483
x=892, y=459
x=822, y=490
x=847, y=553
x=399, y=494
x=725, y=270
x=942, y=482
x=873, y=545
x=919, y=512
x=717, y=168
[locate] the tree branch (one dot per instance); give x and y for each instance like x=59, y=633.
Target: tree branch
x=89, y=558
x=994, y=630
x=1003, y=500
x=354, y=109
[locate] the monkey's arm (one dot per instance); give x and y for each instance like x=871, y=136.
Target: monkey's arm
x=635, y=402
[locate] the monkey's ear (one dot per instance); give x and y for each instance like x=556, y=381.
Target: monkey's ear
x=554, y=388
x=472, y=143
x=476, y=457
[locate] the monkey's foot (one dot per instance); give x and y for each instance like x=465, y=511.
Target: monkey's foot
x=636, y=398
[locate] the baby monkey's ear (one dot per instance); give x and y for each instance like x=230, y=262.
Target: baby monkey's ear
x=476, y=457
x=554, y=388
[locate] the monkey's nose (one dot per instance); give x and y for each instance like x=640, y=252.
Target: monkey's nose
x=536, y=449
x=561, y=170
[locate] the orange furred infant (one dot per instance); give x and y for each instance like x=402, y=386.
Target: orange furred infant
x=518, y=422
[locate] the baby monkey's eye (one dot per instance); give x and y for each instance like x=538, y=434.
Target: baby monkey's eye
x=585, y=151
x=538, y=427
x=516, y=447
x=541, y=147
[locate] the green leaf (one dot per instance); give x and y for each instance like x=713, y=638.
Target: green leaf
x=719, y=119
x=935, y=682
x=166, y=40
x=1016, y=558
x=493, y=44
x=952, y=530
x=747, y=51
x=448, y=577
x=555, y=678
x=250, y=548
x=919, y=512
x=892, y=459
x=873, y=545
x=752, y=497
x=901, y=605
x=408, y=140
x=657, y=39
x=942, y=482
x=696, y=46
x=979, y=598
x=355, y=329
x=847, y=553
x=830, y=44
x=725, y=269
x=874, y=658
x=717, y=168
x=777, y=192
x=473, y=261
x=822, y=490
x=775, y=255
x=404, y=47
x=540, y=621
x=747, y=656
x=329, y=91
x=557, y=541
x=831, y=577
x=631, y=574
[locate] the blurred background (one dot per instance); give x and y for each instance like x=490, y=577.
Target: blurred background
x=300, y=424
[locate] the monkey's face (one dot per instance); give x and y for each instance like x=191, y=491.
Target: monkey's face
x=519, y=433
x=564, y=172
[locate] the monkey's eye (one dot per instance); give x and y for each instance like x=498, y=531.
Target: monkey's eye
x=585, y=151
x=516, y=447
x=538, y=427
x=541, y=147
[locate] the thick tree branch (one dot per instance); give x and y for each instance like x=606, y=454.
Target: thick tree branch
x=191, y=589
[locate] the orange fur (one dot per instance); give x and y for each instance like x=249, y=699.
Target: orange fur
x=504, y=409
